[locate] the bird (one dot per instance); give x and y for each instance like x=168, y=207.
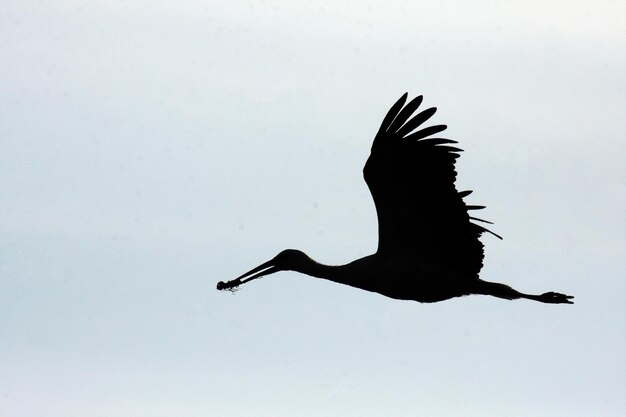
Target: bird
x=428, y=243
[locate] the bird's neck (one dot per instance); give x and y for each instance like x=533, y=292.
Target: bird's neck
x=343, y=274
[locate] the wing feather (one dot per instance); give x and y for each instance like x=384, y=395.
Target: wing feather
x=420, y=134
x=405, y=113
x=416, y=121
x=391, y=114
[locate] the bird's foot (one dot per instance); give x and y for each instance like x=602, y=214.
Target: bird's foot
x=555, y=298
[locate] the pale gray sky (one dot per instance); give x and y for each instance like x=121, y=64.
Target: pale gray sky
x=151, y=149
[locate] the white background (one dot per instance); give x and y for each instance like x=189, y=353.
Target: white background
x=151, y=149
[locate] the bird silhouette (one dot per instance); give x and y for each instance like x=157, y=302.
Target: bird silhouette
x=428, y=246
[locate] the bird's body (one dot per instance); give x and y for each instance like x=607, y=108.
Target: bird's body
x=424, y=283
x=428, y=248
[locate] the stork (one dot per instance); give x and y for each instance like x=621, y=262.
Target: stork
x=428, y=244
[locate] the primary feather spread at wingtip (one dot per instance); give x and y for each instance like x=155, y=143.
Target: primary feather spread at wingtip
x=427, y=131
x=404, y=114
x=416, y=121
x=393, y=111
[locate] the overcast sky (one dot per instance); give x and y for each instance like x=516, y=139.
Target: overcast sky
x=149, y=150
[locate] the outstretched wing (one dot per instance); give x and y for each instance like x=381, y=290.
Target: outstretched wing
x=422, y=218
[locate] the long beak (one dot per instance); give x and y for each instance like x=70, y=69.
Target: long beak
x=261, y=270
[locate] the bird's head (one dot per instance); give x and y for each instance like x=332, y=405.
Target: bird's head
x=290, y=260
x=287, y=260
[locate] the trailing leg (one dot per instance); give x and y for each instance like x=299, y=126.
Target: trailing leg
x=504, y=291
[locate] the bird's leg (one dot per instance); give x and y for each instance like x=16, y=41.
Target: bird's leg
x=504, y=291
x=551, y=298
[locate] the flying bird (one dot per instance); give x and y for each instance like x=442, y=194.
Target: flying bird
x=428, y=244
